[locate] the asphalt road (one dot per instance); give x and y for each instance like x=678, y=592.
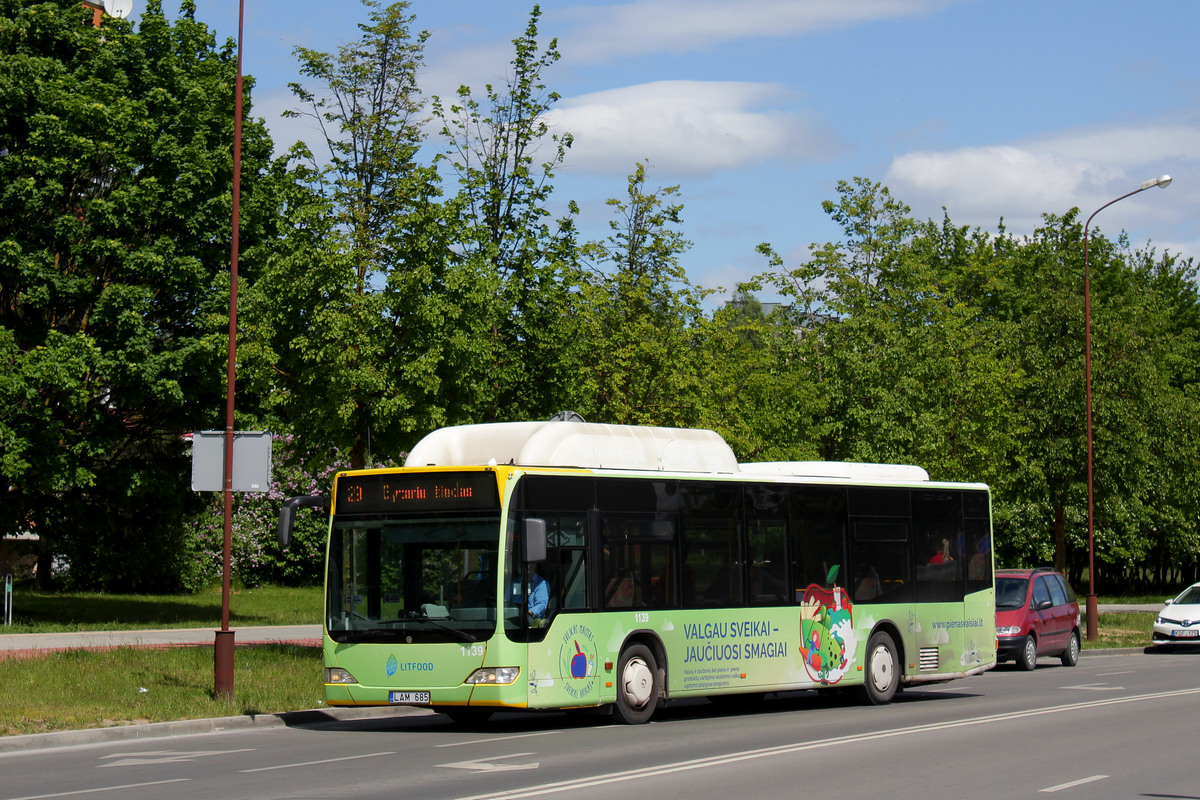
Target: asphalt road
x=1116, y=726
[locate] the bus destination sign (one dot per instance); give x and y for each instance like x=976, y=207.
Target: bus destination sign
x=378, y=493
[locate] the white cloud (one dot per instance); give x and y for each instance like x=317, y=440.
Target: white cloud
x=687, y=128
x=270, y=105
x=1078, y=168
x=603, y=33
x=996, y=181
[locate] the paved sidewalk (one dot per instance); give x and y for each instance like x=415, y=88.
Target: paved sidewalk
x=25, y=645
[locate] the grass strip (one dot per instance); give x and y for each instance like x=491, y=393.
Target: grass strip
x=1122, y=629
x=53, y=612
x=77, y=689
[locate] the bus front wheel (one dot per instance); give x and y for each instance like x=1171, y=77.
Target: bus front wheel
x=638, y=685
x=882, y=673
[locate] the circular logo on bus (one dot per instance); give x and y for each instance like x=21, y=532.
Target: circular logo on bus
x=577, y=660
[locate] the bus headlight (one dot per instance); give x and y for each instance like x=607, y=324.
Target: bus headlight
x=1010, y=630
x=338, y=675
x=494, y=675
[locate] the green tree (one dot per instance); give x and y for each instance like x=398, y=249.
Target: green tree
x=115, y=175
x=632, y=353
x=1143, y=336
x=344, y=324
x=909, y=369
x=513, y=290
x=757, y=388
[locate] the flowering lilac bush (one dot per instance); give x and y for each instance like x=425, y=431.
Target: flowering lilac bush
x=255, y=555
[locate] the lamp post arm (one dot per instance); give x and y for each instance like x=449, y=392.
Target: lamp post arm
x=1087, y=224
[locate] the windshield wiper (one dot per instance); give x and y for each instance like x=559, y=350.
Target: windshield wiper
x=361, y=635
x=466, y=636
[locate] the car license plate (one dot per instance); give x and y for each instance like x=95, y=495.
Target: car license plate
x=1190, y=633
x=415, y=698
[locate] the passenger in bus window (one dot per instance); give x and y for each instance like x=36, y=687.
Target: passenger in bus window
x=866, y=582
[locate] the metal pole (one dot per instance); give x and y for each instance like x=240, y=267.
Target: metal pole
x=223, y=647
x=1092, y=603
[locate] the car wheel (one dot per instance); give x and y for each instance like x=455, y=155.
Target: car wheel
x=1070, y=656
x=1028, y=658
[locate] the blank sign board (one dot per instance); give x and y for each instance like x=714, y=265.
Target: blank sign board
x=251, y=461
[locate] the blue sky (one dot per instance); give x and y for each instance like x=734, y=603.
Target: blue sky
x=756, y=109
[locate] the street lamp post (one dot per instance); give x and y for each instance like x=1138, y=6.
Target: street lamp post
x=1162, y=181
x=223, y=655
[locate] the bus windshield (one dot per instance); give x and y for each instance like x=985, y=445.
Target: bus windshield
x=419, y=578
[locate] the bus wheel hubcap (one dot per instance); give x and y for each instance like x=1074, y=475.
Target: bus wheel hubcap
x=882, y=668
x=637, y=683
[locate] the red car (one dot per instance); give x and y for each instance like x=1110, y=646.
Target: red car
x=1036, y=615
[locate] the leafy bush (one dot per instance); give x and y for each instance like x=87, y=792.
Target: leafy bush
x=255, y=556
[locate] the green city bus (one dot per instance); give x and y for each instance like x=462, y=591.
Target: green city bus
x=573, y=565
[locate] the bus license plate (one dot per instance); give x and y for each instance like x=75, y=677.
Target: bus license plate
x=415, y=698
x=1190, y=633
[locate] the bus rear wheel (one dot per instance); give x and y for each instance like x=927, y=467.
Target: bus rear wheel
x=882, y=673
x=638, y=685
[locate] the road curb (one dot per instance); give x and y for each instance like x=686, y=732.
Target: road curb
x=1114, y=651
x=190, y=727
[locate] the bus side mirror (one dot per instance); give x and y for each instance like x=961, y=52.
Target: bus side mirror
x=287, y=515
x=535, y=540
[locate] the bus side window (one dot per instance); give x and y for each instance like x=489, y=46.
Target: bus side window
x=638, y=562
x=817, y=537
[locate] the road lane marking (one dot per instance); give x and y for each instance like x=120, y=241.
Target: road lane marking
x=321, y=761
x=498, y=739
x=1095, y=687
x=482, y=765
x=1073, y=784
x=163, y=756
x=576, y=784
x=101, y=789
